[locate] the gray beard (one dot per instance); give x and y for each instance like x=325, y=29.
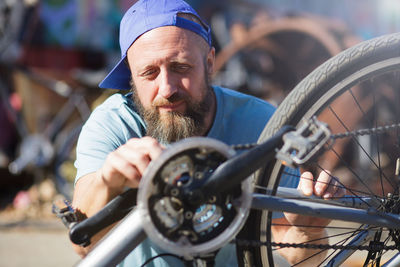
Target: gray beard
x=173, y=126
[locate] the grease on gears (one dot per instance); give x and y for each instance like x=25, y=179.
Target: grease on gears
x=190, y=228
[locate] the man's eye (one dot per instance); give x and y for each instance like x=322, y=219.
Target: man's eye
x=149, y=73
x=181, y=67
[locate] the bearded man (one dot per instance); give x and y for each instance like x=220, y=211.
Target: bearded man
x=167, y=61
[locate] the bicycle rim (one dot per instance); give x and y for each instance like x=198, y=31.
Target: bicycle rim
x=357, y=89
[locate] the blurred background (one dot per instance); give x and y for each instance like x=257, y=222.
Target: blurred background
x=53, y=53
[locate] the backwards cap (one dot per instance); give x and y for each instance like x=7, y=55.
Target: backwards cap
x=142, y=17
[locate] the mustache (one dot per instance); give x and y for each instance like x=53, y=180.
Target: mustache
x=162, y=101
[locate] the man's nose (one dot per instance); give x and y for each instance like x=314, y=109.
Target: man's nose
x=167, y=86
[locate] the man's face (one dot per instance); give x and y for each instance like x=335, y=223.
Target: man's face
x=170, y=70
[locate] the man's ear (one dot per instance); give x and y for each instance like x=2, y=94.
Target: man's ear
x=210, y=61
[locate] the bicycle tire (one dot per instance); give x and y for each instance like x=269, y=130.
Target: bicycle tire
x=359, y=73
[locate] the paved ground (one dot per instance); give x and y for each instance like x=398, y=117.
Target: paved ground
x=43, y=244
x=30, y=235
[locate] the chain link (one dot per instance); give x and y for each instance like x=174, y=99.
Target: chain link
x=371, y=131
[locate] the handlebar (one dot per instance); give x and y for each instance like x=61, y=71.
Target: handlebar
x=115, y=210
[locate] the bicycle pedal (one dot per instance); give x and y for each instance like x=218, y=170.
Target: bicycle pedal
x=63, y=210
x=304, y=143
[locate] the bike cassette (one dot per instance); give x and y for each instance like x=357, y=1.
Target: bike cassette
x=183, y=227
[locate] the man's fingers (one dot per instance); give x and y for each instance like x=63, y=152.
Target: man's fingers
x=334, y=189
x=118, y=171
x=135, y=157
x=306, y=183
x=322, y=183
x=152, y=147
x=326, y=186
x=139, y=152
x=126, y=165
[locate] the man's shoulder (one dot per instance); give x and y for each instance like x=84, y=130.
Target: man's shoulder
x=117, y=105
x=240, y=118
x=117, y=101
x=238, y=99
x=118, y=111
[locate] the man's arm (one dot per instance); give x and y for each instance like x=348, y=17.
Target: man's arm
x=122, y=168
x=289, y=228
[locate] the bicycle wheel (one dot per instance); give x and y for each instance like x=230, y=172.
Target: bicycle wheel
x=357, y=89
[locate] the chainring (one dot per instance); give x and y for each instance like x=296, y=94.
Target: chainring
x=181, y=227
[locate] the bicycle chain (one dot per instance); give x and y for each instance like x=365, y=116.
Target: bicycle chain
x=371, y=131
x=372, y=247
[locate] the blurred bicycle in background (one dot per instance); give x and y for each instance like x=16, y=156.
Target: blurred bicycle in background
x=267, y=55
x=43, y=109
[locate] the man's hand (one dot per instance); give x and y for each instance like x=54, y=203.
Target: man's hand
x=125, y=166
x=325, y=186
x=297, y=228
x=122, y=167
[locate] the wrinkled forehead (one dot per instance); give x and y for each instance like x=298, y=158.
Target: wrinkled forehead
x=167, y=43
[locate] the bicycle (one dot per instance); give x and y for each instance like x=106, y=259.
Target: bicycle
x=186, y=197
x=45, y=146
x=53, y=106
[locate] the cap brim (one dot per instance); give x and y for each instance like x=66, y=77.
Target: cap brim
x=118, y=78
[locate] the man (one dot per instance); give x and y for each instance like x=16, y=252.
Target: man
x=167, y=60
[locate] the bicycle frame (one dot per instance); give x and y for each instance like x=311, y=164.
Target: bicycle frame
x=130, y=232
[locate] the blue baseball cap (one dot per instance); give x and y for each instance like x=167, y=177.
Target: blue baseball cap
x=142, y=17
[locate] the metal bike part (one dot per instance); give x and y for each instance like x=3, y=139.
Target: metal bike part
x=118, y=243
x=360, y=239
x=358, y=202
x=82, y=232
x=371, y=217
x=63, y=210
x=393, y=262
x=234, y=170
x=304, y=143
x=182, y=226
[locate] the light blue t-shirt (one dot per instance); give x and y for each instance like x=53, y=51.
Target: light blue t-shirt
x=239, y=119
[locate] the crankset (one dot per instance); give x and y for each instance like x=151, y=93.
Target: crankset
x=180, y=223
